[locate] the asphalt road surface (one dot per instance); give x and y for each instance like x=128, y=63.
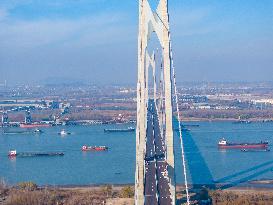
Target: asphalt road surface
x=157, y=190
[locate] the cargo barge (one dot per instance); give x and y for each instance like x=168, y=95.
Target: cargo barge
x=36, y=131
x=242, y=122
x=34, y=125
x=94, y=148
x=16, y=132
x=13, y=153
x=193, y=125
x=182, y=129
x=129, y=129
x=223, y=144
x=255, y=150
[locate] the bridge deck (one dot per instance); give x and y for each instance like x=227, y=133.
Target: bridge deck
x=157, y=189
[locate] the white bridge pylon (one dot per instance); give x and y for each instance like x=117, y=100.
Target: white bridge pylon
x=150, y=61
x=158, y=22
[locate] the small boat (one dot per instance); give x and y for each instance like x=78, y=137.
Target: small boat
x=223, y=144
x=129, y=129
x=94, y=148
x=38, y=131
x=12, y=153
x=63, y=132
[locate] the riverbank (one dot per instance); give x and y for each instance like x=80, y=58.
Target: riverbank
x=197, y=119
x=242, y=196
x=29, y=193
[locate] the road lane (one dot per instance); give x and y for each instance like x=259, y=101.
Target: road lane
x=157, y=190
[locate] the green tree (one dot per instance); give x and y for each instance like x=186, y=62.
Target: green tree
x=29, y=186
x=127, y=192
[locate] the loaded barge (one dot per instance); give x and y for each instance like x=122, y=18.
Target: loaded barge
x=255, y=150
x=223, y=144
x=182, y=129
x=94, y=148
x=13, y=153
x=36, y=131
x=16, y=132
x=129, y=129
x=34, y=125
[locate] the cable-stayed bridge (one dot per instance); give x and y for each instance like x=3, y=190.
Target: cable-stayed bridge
x=155, y=167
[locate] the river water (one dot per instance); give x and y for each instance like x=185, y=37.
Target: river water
x=205, y=163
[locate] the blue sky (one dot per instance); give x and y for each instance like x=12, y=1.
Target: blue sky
x=96, y=40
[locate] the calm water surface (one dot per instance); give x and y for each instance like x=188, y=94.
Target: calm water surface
x=206, y=163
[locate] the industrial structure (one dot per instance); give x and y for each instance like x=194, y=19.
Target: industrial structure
x=5, y=119
x=155, y=166
x=28, y=119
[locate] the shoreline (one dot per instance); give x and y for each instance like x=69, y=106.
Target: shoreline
x=192, y=119
x=261, y=184
x=251, y=185
x=184, y=119
x=123, y=194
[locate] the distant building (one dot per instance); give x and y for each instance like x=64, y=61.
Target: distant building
x=53, y=105
x=28, y=119
x=194, y=99
x=5, y=119
x=64, y=110
x=204, y=107
x=264, y=101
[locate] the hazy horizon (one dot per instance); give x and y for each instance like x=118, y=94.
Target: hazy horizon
x=96, y=41
x=80, y=82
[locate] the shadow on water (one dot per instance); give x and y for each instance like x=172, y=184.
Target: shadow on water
x=246, y=179
x=224, y=179
x=199, y=171
x=201, y=175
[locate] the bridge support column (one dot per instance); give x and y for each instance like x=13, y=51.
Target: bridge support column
x=158, y=22
x=141, y=109
x=168, y=95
